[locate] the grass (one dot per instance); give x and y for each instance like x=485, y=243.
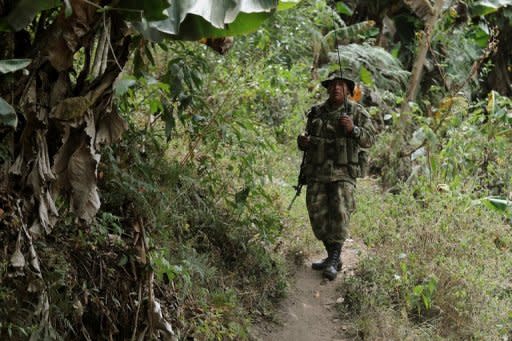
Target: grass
x=439, y=268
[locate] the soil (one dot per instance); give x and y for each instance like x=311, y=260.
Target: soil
x=309, y=311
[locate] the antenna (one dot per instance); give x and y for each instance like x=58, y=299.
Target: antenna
x=345, y=102
x=336, y=36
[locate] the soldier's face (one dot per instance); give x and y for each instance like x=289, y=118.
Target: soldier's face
x=338, y=90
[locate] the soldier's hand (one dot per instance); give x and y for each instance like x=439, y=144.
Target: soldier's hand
x=347, y=124
x=303, y=142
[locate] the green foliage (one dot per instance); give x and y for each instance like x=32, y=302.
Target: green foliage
x=342, y=8
x=210, y=156
x=197, y=165
x=438, y=269
x=496, y=203
x=463, y=45
x=186, y=20
x=476, y=147
x=365, y=76
x=195, y=232
x=287, y=4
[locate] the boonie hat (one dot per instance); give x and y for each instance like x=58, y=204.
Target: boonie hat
x=337, y=75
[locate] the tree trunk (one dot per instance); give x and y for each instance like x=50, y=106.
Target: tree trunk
x=417, y=69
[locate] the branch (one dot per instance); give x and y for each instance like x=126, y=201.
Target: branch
x=417, y=69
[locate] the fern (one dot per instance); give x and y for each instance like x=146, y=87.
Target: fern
x=349, y=33
x=386, y=70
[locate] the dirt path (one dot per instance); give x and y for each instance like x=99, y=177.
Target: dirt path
x=309, y=311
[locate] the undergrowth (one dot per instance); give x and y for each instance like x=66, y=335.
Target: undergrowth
x=439, y=268
x=216, y=257
x=211, y=254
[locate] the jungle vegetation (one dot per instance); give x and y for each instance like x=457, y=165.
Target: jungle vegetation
x=148, y=154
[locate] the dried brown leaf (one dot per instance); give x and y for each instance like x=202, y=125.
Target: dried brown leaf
x=17, y=166
x=17, y=259
x=69, y=144
x=36, y=229
x=90, y=127
x=422, y=8
x=42, y=158
x=47, y=211
x=82, y=178
x=110, y=128
x=34, y=260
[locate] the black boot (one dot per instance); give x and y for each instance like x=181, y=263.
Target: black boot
x=323, y=263
x=333, y=263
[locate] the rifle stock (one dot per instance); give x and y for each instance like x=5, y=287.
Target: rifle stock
x=301, y=181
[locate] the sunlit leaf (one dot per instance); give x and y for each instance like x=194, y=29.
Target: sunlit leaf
x=366, y=76
x=479, y=35
x=12, y=65
x=287, y=4
x=497, y=204
x=342, y=8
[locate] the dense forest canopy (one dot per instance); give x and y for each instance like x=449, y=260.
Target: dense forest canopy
x=148, y=154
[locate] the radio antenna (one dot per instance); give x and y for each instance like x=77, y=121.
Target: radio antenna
x=345, y=102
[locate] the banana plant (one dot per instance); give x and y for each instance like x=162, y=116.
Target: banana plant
x=101, y=30
x=193, y=20
x=56, y=108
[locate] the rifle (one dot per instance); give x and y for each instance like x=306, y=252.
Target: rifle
x=301, y=181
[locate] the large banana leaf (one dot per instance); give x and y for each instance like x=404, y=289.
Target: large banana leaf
x=485, y=7
x=22, y=13
x=177, y=19
x=192, y=20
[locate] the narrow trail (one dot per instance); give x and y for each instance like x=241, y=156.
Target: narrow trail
x=309, y=311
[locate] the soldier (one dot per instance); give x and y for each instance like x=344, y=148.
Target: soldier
x=336, y=130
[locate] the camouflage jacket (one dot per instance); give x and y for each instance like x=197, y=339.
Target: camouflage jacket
x=332, y=155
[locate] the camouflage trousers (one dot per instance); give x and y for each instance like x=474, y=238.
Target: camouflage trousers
x=329, y=207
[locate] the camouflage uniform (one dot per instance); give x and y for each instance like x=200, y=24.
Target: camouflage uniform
x=332, y=164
